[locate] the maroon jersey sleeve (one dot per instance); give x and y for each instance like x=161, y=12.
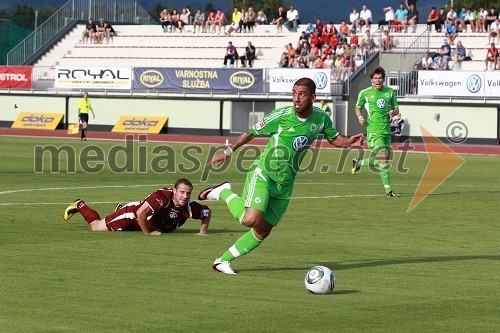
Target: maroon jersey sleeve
x=157, y=200
x=198, y=211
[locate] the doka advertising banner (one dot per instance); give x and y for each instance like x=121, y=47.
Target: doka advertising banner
x=93, y=78
x=17, y=77
x=199, y=79
x=140, y=124
x=282, y=79
x=38, y=120
x=459, y=83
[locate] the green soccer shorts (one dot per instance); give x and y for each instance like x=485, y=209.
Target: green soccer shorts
x=263, y=193
x=378, y=142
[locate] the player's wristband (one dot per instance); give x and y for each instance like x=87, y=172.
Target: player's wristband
x=360, y=117
x=228, y=151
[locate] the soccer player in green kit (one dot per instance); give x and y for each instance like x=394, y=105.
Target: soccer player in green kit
x=269, y=183
x=381, y=104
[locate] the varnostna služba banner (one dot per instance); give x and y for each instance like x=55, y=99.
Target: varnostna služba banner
x=38, y=120
x=199, y=79
x=140, y=124
x=15, y=77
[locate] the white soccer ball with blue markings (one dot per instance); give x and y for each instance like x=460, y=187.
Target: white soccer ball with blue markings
x=320, y=280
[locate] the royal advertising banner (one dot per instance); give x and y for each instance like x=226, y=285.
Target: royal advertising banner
x=459, y=83
x=140, y=124
x=38, y=120
x=199, y=79
x=18, y=77
x=282, y=79
x=93, y=78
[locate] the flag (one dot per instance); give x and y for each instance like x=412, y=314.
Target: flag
x=73, y=128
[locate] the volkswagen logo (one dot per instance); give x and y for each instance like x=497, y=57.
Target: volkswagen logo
x=381, y=103
x=321, y=80
x=300, y=143
x=474, y=83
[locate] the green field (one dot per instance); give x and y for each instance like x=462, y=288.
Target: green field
x=434, y=269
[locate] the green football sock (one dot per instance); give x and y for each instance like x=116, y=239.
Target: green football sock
x=369, y=161
x=234, y=203
x=243, y=245
x=386, y=178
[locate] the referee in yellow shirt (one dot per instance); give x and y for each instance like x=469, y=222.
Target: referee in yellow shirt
x=84, y=106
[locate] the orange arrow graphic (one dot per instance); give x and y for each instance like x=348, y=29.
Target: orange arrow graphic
x=443, y=162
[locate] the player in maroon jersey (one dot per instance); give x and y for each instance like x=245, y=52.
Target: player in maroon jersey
x=164, y=210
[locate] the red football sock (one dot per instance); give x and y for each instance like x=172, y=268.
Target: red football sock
x=88, y=213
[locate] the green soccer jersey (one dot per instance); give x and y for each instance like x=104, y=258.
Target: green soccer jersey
x=378, y=104
x=290, y=137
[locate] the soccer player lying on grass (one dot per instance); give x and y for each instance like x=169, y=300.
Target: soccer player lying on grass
x=164, y=210
x=268, y=186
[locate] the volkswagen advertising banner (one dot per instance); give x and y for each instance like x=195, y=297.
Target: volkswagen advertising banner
x=282, y=79
x=93, y=77
x=199, y=79
x=458, y=83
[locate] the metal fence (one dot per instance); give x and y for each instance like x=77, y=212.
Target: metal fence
x=123, y=11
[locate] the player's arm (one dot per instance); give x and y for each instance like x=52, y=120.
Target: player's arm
x=361, y=119
x=205, y=222
x=242, y=140
x=342, y=141
x=142, y=216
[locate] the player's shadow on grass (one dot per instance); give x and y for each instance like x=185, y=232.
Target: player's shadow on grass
x=402, y=261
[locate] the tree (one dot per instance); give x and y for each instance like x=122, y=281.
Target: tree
x=270, y=7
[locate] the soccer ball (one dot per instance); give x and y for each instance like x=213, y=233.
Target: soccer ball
x=320, y=280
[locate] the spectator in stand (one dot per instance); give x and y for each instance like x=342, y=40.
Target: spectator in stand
x=199, y=20
x=468, y=20
x=450, y=31
x=328, y=32
x=445, y=52
x=109, y=32
x=292, y=56
x=413, y=78
x=494, y=31
x=402, y=14
x=365, y=18
x=329, y=61
x=427, y=62
x=231, y=54
x=387, y=42
x=483, y=13
x=490, y=18
x=319, y=63
x=354, y=40
x=292, y=19
x=184, y=19
x=313, y=55
x=462, y=16
x=304, y=48
x=337, y=73
x=250, y=19
x=303, y=38
x=319, y=27
x=433, y=19
x=309, y=30
x=411, y=2
x=413, y=18
x=220, y=21
x=301, y=63
x=235, y=24
x=334, y=42
x=368, y=43
x=89, y=31
x=284, y=58
x=353, y=19
x=452, y=14
x=491, y=56
x=442, y=18
x=175, y=19
x=459, y=56
x=389, y=17
x=344, y=28
x=327, y=50
x=475, y=21
x=99, y=36
x=343, y=40
x=249, y=55
x=279, y=19
x=243, y=19
x=210, y=25
x=348, y=52
x=262, y=18
x=441, y=63
x=315, y=40
x=165, y=20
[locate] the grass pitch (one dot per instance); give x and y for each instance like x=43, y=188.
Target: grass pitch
x=434, y=269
